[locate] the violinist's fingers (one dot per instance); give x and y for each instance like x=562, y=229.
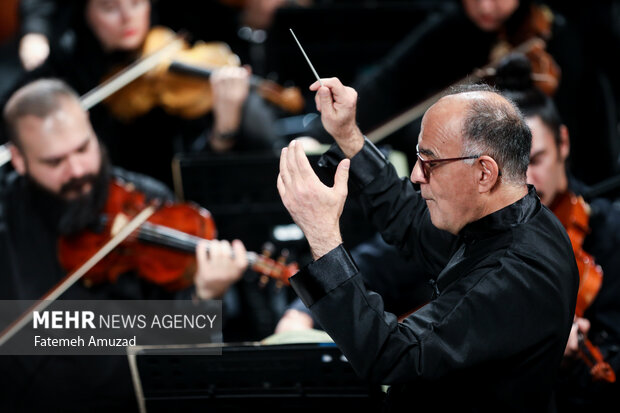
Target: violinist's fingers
x=240, y=254
x=572, y=344
x=229, y=73
x=214, y=251
x=216, y=74
x=223, y=251
x=241, y=72
x=583, y=324
x=201, y=252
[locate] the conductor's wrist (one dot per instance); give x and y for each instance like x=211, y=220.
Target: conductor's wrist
x=320, y=247
x=351, y=142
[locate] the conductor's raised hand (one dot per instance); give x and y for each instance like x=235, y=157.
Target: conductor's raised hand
x=337, y=104
x=315, y=207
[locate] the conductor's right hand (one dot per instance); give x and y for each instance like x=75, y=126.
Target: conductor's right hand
x=337, y=104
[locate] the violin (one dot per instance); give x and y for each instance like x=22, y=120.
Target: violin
x=178, y=81
x=158, y=243
x=142, y=244
x=161, y=250
x=574, y=214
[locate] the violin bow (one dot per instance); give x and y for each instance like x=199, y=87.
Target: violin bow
x=73, y=277
x=131, y=72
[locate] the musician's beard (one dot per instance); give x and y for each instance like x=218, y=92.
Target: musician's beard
x=71, y=216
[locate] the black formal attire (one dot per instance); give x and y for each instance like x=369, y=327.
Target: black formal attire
x=494, y=334
x=387, y=272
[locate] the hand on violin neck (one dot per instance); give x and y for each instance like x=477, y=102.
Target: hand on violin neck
x=219, y=265
x=337, y=104
x=580, y=326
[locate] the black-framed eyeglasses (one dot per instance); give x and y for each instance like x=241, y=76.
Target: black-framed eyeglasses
x=429, y=164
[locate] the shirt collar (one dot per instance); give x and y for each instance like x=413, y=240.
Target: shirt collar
x=505, y=218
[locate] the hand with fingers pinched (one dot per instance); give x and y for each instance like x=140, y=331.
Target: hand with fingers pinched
x=337, y=104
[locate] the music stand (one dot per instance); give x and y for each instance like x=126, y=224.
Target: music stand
x=304, y=377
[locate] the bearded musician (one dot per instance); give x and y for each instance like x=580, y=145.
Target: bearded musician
x=59, y=186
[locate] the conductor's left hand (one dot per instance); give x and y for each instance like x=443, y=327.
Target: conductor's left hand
x=315, y=207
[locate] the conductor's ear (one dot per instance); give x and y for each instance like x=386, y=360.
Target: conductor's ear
x=488, y=173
